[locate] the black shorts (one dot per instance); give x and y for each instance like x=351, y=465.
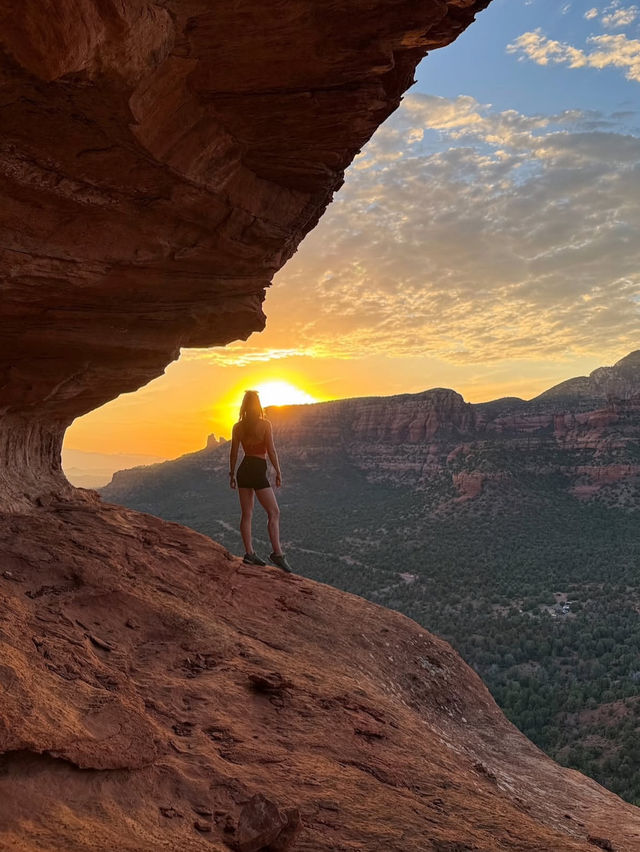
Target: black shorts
x=252, y=473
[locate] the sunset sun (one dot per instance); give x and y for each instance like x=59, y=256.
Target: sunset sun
x=271, y=391
x=282, y=393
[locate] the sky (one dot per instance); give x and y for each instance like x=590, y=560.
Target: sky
x=486, y=239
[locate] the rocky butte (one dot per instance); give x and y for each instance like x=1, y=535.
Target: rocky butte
x=159, y=162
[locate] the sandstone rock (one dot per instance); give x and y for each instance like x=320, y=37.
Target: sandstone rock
x=468, y=484
x=212, y=441
x=170, y=813
x=351, y=665
x=269, y=682
x=601, y=842
x=260, y=824
x=289, y=833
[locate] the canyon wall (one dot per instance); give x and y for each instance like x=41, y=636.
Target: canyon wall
x=587, y=429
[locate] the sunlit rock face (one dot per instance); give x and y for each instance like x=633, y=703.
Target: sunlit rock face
x=159, y=162
x=405, y=419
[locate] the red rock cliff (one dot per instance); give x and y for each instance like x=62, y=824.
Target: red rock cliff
x=588, y=429
x=159, y=162
x=152, y=685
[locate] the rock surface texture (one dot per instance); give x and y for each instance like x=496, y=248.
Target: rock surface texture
x=157, y=694
x=159, y=162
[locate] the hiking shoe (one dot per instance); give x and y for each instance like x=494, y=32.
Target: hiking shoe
x=253, y=559
x=281, y=562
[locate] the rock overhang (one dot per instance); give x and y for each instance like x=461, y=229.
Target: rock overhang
x=159, y=162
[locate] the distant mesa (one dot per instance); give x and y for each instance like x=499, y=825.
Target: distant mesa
x=621, y=381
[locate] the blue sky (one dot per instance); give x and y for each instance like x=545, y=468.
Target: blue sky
x=479, y=64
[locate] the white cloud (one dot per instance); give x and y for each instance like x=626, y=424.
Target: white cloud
x=620, y=18
x=614, y=16
x=617, y=16
x=617, y=51
x=542, y=50
x=608, y=51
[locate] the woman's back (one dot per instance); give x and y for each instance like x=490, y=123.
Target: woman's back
x=253, y=437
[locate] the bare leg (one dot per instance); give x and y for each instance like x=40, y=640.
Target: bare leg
x=268, y=500
x=246, y=505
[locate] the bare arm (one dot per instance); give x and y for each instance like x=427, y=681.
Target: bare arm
x=271, y=452
x=233, y=455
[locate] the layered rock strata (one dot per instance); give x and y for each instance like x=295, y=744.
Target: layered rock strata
x=155, y=690
x=159, y=162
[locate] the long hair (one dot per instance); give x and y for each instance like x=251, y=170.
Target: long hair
x=250, y=413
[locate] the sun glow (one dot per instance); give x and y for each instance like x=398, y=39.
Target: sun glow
x=272, y=392
x=282, y=393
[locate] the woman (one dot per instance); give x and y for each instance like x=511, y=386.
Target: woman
x=254, y=432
